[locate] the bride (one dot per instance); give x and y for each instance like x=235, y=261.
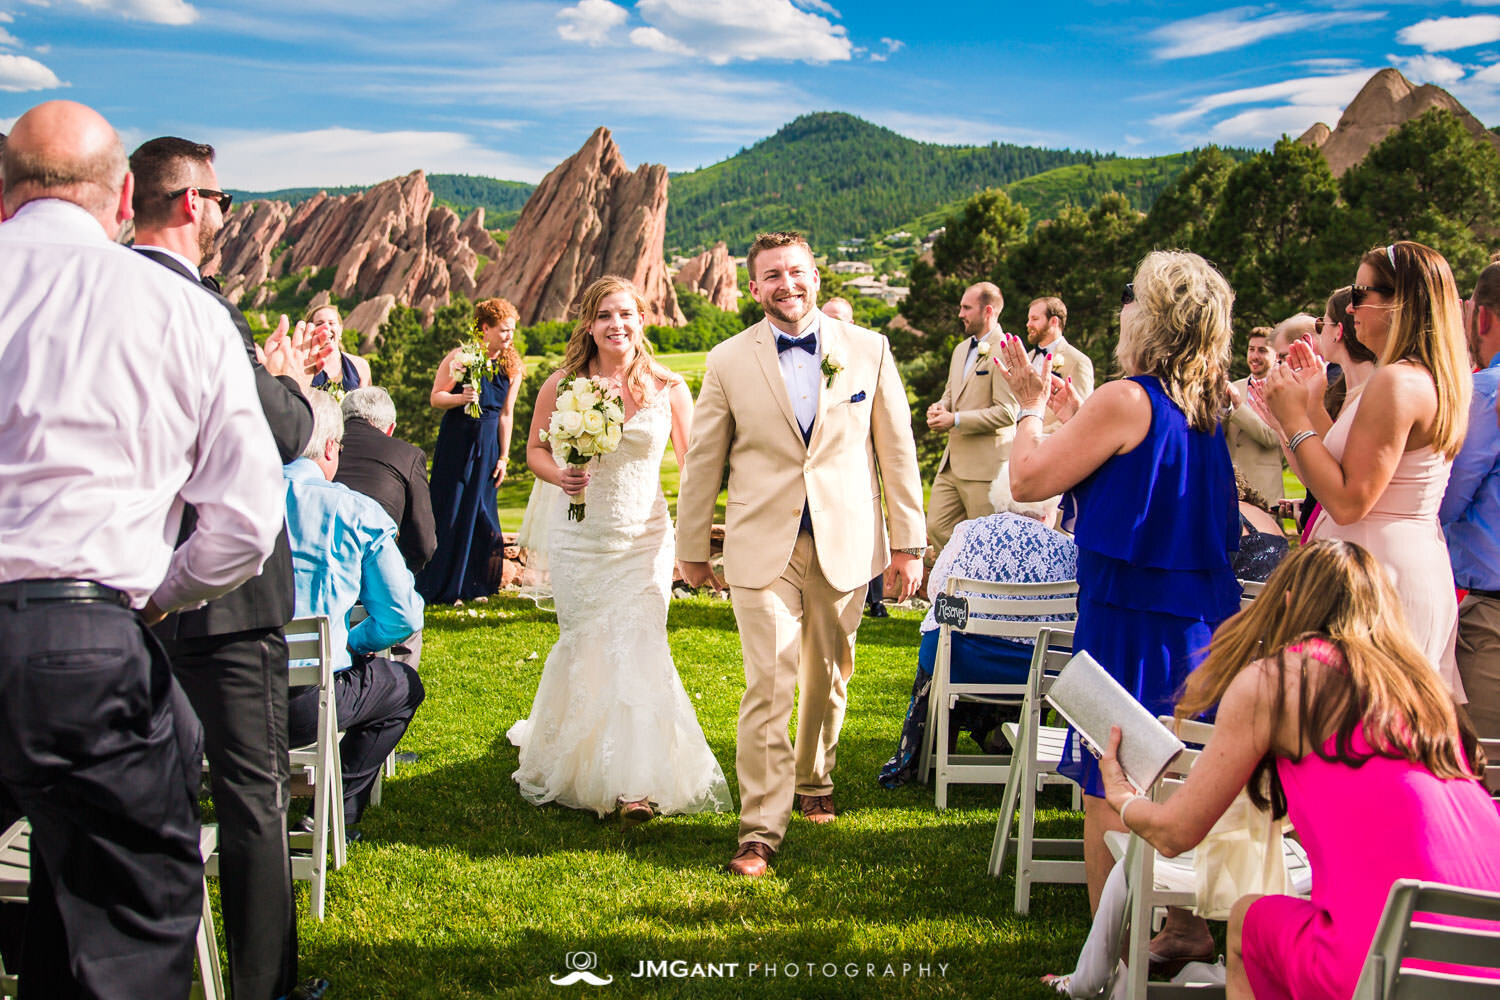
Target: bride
x=611, y=726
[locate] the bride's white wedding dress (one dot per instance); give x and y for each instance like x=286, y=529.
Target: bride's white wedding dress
x=611, y=720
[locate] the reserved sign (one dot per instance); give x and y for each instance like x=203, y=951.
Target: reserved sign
x=951, y=610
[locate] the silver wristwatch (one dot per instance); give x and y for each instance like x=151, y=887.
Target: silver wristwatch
x=919, y=553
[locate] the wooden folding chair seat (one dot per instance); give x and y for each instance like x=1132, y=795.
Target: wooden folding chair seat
x=1405, y=932
x=1009, y=600
x=316, y=769
x=1036, y=754
x=1249, y=591
x=15, y=885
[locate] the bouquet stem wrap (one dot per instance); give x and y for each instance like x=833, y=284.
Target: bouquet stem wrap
x=586, y=423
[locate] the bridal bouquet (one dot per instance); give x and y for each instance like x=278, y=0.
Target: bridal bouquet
x=587, y=422
x=472, y=366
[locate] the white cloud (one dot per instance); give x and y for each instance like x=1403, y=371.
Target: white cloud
x=953, y=130
x=1429, y=69
x=1269, y=124
x=656, y=41
x=723, y=31
x=832, y=11
x=265, y=161
x=1225, y=30
x=18, y=73
x=8, y=40
x=155, y=11
x=1442, y=34
x=590, y=21
x=892, y=46
x=6, y=124
x=1314, y=95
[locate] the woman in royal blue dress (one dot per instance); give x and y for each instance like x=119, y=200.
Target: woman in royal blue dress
x=1154, y=494
x=468, y=464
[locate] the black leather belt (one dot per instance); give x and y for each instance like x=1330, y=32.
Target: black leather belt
x=1493, y=595
x=19, y=593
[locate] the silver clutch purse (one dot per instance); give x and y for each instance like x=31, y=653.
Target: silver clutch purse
x=1091, y=701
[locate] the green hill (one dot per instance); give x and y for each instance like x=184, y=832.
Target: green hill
x=832, y=175
x=501, y=200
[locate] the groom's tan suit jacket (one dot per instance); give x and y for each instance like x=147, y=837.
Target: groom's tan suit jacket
x=860, y=440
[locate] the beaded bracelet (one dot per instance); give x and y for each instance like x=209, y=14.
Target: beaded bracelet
x=1298, y=438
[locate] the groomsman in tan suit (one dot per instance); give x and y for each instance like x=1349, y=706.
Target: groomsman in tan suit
x=1253, y=445
x=979, y=414
x=812, y=419
x=1045, y=320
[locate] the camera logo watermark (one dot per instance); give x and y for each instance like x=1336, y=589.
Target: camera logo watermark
x=581, y=963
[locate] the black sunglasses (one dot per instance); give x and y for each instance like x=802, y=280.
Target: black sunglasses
x=1357, y=293
x=1127, y=295
x=223, y=198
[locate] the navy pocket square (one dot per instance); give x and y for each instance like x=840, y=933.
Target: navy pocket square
x=858, y=397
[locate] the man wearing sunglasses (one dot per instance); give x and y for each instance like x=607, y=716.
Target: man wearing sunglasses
x=229, y=655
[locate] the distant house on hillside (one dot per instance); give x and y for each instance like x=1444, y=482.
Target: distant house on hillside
x=853, y=267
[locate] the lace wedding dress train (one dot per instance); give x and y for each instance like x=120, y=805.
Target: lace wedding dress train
x=611, y=721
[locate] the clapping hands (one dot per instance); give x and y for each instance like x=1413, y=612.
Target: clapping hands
x=1284, y=397
x=1029, y=387
x=298, y=353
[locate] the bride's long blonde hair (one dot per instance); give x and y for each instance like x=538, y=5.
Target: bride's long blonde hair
x=644, y=371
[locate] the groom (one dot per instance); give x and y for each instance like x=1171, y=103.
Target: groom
x=813, y=421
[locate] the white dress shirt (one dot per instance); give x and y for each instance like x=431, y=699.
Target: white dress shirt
x=126, y=394
x=802, y=372
x=1041, y=359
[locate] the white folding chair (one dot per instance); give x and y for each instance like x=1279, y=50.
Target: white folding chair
x=15, y=885
x=316, y=769
x=1403, y=935
x=358, y=614
x=1007, y=601
x=1249, y=591
x=1036, y=751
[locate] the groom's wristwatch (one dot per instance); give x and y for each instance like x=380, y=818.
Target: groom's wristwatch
x=919, y=553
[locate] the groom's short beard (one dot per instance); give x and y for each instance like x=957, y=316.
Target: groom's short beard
x=777, y=313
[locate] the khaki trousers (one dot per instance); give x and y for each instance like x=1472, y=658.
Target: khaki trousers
x=798, y=633
x=1478, y=654
x=954, y=500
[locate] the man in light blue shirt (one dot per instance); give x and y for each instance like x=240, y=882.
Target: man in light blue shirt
x=344, y=551
x=1471, y=517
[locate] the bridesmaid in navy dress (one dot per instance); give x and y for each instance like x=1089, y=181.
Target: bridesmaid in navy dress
x=347, y=371
x=1154, y=493
x=468, y=464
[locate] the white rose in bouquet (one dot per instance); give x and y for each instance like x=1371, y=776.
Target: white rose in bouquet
x=593, y=422
x=586, y=423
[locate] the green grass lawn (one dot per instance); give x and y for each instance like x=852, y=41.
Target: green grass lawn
x=462, y=889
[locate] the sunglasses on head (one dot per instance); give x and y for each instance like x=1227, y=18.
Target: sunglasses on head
x=223, y=198
x=1127, y=295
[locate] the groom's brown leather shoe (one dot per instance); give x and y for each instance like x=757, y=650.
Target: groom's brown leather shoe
x=816, y=808
x=751, y=859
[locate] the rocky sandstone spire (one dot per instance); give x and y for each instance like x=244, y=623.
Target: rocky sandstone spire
x=590, y=216
x=1385, y=103
x=712, y=275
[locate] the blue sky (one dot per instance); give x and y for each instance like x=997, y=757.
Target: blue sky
x=320, y=92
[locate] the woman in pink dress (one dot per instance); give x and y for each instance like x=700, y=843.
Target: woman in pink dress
x=1326, y=710
x=1379, y=471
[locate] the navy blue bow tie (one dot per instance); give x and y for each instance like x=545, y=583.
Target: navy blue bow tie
x=808, y=343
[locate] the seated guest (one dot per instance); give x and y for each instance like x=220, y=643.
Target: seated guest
x=1262, y=542
x=1014, y=545
x=1321, y=687
x=343, y=552
x=388, y=470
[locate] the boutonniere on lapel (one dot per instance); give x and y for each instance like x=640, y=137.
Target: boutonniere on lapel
x=984, y=349
x=833, y=363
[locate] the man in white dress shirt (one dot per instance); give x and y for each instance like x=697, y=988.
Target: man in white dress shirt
x=127, y=394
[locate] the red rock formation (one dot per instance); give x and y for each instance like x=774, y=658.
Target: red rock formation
x=1388, y=101
x=712, y=275
x=391, y=245
x=590, y=216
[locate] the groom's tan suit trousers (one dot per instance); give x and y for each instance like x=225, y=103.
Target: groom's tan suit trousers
x=798, y=597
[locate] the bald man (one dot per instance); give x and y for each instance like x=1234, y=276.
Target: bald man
x=98, y=747
x=978, y=413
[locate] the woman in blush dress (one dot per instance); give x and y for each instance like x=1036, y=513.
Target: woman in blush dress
x=1145, y=460
x=1323, y=693
x=468, y=464
x=611, y=726
x=1379, y=471
x=341, y=372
